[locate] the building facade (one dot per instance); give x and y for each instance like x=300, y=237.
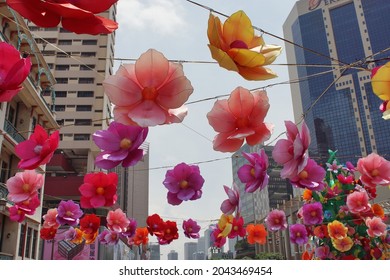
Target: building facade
x=173, y=255
x=190, y=248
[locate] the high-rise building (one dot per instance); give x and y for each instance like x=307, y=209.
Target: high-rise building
x=189, y=249
x=336, y=100
x=154, y=249
x=173, y=255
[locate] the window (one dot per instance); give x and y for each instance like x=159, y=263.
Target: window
x=64, y=42
x=21, y=240
x=86, y=80
x=61, y=93
x=88, y=54
x=85, y=94
x=28, y=243
x=87, y=67
x=89, y=42
x=83, y=108
x=62, y=67
x=60, y=108
x=81, y=137
x=62, y=80
x=34, y=244
x=83, y=122
x=47, y=53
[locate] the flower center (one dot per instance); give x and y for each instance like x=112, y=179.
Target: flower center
x=242, y=122
x=313, y=213
x=37, y=149
x=20, y=212
x=235, y=228
x=238, y=44
x=26, y=187
x=26, y=202
x=125, y=143
x=149, y=93
x=253, y=172
x=375, y=172
x=100, y=190
x=298, y=234
x=69, y=213
x=303, y=174
x=189, y=229
x=276, y=221
x=184, y=184
x=168, y=231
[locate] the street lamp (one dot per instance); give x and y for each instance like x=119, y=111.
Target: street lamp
x=3, y=203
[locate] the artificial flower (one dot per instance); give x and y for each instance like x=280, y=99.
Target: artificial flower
x=225, y=224
x=312, y=213
x=108, y=237
x=337, y=230
x=333, y=167
x=216, y=238
x=90, y=223
x=140, y=237
x=238, y=228
x=24, y=185
x=256, y=234
x=298, y=234
x=13, y=71
x=191, y=228
x=50, y=218
x=236, y=48
x=254, y=175
x=78, y=237
x=231, y=204
x=16, y=214
x=276, y=220
x=48, y=233
x=120, y=144
x=150, y=92
x=38, y=149
x=311, y=177
x=380, y=82
x=357, y=202
x=130, y=230
x=117, y=220
x=342, y=244
x=76, y=16
x=240, y=117
x=30, y=205
x=375, y=170
x=292, y=152
x=69, y=234
x=321, y=231
x=307, y=195
x=376, y=227
x=168, y=234
x=90, y=237
x=68, y=212
x=378, y=210
x=155, y=224
x=184, y=183
x=98, y=190
x=322, y=252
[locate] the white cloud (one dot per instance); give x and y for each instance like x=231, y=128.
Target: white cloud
x=165, y=16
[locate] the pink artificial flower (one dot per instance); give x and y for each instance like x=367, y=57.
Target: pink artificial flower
x=298, y=234
x=240, y=117
x=50, y=219
x=98, y=190
x=38, y=149
x=312, y=213
x=322, y=252
x=108, y=237
x=68, y=212
x=184, y=183
x=120, y=144
x=292, y=152
x=150, y=92
x=334, y=167
x=131, y=228
x=230, y=205
x=376, y=227
x=311, y=177
x=375, y=170
x=254, y=175
x=238, y=228
x=24, y=185
x=16, y=214
x=191, y=228
x=30, y=205
x=13, y=71
x=357, y=202
x=276, y=220
x=117, y=221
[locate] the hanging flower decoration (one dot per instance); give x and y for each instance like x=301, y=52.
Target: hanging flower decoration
x=108, y=237
x=236, y=48
x=276, y=220
x=24, y=185
x=375, y=170
x=68, y=212
x=89, y=223
x=217, y=239
x=256, y=234
x=380, y=82
x=298, y=234
x=191, y=228
x=231, y=204
x=238, y=228
x=76, y=16
x=117, y=221
x=184, y=183
x=311, y=177
x=120, y=144
x=13, y=71
x=38, y=149
x=98, y=190
x=150, y=92
x=48, y=233
x=165, y=231
x=50, y=218
x=130, y=230
x=240, y=117
x=140, y=237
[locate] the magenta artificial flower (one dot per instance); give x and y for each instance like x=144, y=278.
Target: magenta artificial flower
x=376, y=227
x=30, y=205
x=120, y=144
x=117, y=221
x=230, y=205
x=322, y=252
x=16, y=214
x=254, y=175
x=311, y=177
x=150, y=92
x=375, y=170
x=276, y=220
x=357, y=202
x=68, y=212
x=24, y=185
x=191, y=228
x=312, y=213
x=217, y=239
x=292, y=152
x=238, y=228
x=131, y=228
x=50, y=219
x=108, y=237
x=183, y=182
x=238, y=118
x=13, y=71
x=38, y=149
x=298, y=234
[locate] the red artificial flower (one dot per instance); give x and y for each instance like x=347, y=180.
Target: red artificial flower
x=78, y=16
x=140, y=237
x=90, y=223
x=169, y=233
x=155, y=224
x=48, y=233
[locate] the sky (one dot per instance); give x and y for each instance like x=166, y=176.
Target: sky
x=178, y=29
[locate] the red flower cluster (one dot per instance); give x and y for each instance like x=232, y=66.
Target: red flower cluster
x=166, y=231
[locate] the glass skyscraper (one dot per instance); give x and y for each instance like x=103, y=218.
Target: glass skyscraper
x=342, y=41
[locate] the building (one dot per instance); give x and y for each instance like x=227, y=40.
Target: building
x=154, y=249
x=346, y=117
x=190, y=248
x=17, y=121
x=173, y=255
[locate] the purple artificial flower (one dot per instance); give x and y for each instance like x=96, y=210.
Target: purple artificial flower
x=312, y=213
x=69, y=213
x=130, y=231
x=276, y=220
x=230, y=205
x=183, y=182
x=311, y=177
x=70, y=234
x=108, y=237
x=292, y=152
x=298, y=234
x=254, y=175
x=322, y=252
x=191, y=228
x=119, y=144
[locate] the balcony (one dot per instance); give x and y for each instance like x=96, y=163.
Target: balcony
x=13, y=132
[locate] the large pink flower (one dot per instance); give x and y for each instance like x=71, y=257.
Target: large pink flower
x=38, y=149
x=312, y=213
x=230, y=205
x=24, y=185
x=292, y=152
x=357, y=202
x=375, y=170
x=311, y=177
x=150, y=92
x=117, y=221
x=376, y=227
x=276, y=220
x=75, y=15
x=13, y=71
x=50, y=219
x=240, y=117
x=120, y=144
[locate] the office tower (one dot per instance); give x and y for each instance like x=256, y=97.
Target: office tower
x=341, y=33
x=189, y=249
x=173, y=255
x=18, y=119
x=154, y=249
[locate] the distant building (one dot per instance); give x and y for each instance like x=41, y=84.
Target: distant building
x=173, y=255
x=189, y=249
x=154, y=249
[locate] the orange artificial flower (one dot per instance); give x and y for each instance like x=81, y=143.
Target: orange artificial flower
x=343, y=244
x=141, y=236
x=256, y=234
x=236, y=48
x=321, y=231
x=307, y=195
x=337, y=230
x=307, y=256
x=78, y=236
x=90, y=237
x=378, y=210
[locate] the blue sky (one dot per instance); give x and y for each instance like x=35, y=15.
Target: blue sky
x=178, y=29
